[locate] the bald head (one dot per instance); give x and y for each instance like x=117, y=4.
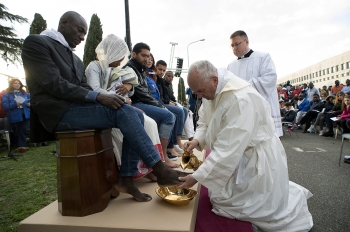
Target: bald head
x=202, y=78
x=73, y=27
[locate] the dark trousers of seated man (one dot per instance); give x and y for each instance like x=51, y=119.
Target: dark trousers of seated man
x=136, y=143
x=308, y=117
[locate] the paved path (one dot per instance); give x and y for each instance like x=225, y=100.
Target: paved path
x=313, y=163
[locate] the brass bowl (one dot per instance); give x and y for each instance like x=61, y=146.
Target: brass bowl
x=175, y=195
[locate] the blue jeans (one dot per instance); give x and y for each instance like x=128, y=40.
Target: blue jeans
x=163, y=117
x=181, y=115
x=136, y=143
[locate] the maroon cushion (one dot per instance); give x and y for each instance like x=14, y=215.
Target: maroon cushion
x=207, y=221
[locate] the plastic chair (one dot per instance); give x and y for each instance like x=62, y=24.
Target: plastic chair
x=344, y=136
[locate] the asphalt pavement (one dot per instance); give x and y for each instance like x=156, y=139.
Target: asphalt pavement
x=313, y=163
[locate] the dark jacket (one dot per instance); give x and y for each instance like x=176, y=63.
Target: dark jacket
x=337, y=107
x=141, y=92
x=164, y=95
x=289, y=116
x=54, y=82
x=170, y=91
x=319, y=105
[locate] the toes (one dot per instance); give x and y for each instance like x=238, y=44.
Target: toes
x=143, y=198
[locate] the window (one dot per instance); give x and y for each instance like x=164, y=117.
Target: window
x=316, y=80
x=342, y=66
x=332, y=77
x=332, y=70
x=336, y=76
x=316, y=74
x=337, y=68
x=343, y=74
x=320, y=72
x=328, y=70
x=324, y=71
x=327, y=78
x=347, y=64
x=324, y=79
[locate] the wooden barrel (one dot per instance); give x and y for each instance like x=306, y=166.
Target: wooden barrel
x=86, y=171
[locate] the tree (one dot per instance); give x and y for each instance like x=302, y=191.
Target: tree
x=10, y=46
x=181, y=96
x=94, y=37
x=38, y=25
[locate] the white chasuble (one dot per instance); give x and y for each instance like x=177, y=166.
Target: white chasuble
x=238, y=129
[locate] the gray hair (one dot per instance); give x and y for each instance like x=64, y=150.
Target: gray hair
x=205, y=69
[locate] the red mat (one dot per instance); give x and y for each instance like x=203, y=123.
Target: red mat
x=207, y=221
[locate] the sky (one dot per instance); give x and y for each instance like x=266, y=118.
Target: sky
x=296, y=33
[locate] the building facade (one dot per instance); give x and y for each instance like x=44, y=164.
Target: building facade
x=323, y=73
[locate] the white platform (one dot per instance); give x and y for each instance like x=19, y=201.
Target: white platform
x=123, y=214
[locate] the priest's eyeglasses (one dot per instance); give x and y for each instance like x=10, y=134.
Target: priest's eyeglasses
x=237, y=44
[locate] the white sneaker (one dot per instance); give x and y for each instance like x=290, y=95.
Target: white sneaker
x=311, y=129
x=321, y=132
x=178, y=149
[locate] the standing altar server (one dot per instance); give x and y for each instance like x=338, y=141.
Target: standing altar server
x=258, y=69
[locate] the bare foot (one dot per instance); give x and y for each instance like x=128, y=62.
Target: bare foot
x=167, y=176
x=151, y=177
x=170, y=163
x=173, y=152
x=114, y=192
x=125, y=184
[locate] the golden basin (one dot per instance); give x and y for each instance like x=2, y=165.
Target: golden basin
x=175, y=195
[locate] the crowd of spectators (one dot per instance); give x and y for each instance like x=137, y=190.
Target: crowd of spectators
x=316, y=110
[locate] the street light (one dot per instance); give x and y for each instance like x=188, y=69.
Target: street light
x=188, y=56
x=172, y=53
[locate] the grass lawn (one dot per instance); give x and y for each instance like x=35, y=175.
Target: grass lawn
x=26, y=185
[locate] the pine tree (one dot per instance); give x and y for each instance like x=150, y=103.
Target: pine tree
x=10, y=45
x=181, y=96
x=38, y=25
x=94, y=37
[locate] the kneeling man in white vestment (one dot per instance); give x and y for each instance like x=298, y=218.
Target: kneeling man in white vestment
x=246, y=172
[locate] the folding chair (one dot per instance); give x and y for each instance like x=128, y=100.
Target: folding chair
x=344, y=136
x=286, y=125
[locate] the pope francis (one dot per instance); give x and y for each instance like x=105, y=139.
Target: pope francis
x=246, y=172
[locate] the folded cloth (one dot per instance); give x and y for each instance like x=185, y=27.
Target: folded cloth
x=117, y=76
x=347, y=157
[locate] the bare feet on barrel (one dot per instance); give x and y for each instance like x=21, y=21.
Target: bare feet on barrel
x=126, y=185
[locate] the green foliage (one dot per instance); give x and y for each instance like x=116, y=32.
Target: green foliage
x=181, y=96
x=38, y=25
x=94, y=37
x=27, y=185
x=10, y=46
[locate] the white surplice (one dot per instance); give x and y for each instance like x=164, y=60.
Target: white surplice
x=259, y=70
x=246, y=172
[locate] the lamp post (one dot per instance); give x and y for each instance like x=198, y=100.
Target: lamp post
x=188, y=56
x=172, y=54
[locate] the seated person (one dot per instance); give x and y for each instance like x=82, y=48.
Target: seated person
x=289, y=113
x=181, y=114
x=316, y=107
x=303, y=105
x=345, y=116
x=321, y=117
x=143, y=99
x=188, y=126
x=336, y=110
x=62, y=100
x=111, y=51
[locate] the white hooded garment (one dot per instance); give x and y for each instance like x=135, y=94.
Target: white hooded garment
x=246, y=172
x=259, y=70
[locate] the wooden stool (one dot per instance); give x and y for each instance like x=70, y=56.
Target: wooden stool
x=86, y=171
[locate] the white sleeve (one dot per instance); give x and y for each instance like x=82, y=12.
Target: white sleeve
x=202, y=127
x=265, y=83
x=93, y=76
x=236, y=126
